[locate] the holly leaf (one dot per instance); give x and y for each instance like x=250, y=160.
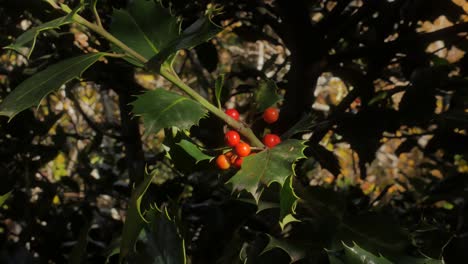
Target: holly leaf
x=4, y=197
x=288, y=202
x=24, y=44
x=266, y=95
x=193, y=150
x=161, y=242
x=145, y=26
x=200, y=31
x=161, y=109
x=294, y=251
x=34, y=89
x=135, y=221
x=358, y=255
x=218, y=88
x=268, y=166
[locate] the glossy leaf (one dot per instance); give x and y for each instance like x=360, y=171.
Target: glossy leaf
x=4, y=197
x=30, y=92
x=193, y=150
x=25, y=43
x=200, y=31
x=288, y=201
x=162, y=242
x=161, y=109
x=219, y=88
x=266, y=95
x=144, y=26
x=268, y=166
x=135, y=221
x=294, y=251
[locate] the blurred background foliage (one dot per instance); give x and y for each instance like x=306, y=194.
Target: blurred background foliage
x=386, y=82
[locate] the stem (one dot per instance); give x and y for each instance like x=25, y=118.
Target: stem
x=171, y=76
x=96, y=14
x=243, y=129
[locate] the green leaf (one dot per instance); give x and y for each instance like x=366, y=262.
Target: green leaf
x=193, y=150
x=288, y=202
x=305, y=124
x=266, y=95
x=355, y=255
x=218, y=88
x=34, y=89
x=25, y=43
x=268, y=166
x=135, y=221
x=294, y=251
x=145, y=26
x=5, y=197
x=358, y=255
x=161, y=109
x=162, y=242
x=387, y=237
x=200, y=31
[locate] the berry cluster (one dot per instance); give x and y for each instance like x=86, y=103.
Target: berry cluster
x=240, y=148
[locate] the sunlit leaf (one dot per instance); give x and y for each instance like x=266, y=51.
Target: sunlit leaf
x=288, y=201
x=4, y=197
x=135, y=221
x=24, y=44
x=193, y=150
x=161, y=109
x=218, y=88
x=30, y=92
x=268, y=166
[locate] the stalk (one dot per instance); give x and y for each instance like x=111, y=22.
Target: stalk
x=172, y=77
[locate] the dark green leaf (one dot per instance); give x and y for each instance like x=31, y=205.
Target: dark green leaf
x=268, y=166
x=134, y=222
x=266, y=95
x=25, y=43
x=305, y=124
x=4, y=197
x=288, y=201
x=161, y=109
x=200, y=31
x=33, y=90
x=218, y=88
x=357, y=255
x=193, y=150
x=294, y=251
x=145, y=26
x=162, y=242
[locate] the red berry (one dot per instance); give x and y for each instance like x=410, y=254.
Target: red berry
x=232, y=113
x=271, y=140
x=238, y=162
x=242, y=149
x=271, y=115
x=222, y=162
x=232, y=138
